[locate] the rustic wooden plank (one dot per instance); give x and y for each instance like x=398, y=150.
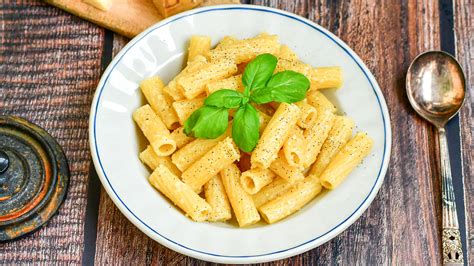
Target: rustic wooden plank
x=126, y=17
x=49, y=67
x=463, y=26
x=118, y=240
x=401, y=226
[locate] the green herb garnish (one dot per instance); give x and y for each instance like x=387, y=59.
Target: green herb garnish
x=261, y=86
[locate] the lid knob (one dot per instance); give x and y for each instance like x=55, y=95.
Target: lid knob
x=4, y=162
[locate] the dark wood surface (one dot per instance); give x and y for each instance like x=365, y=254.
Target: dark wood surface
x=464, y=26
x=50, y=63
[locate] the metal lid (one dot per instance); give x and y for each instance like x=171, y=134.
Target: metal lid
x=34, y=176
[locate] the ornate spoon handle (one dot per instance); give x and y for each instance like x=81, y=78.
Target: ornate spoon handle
x=452, y=245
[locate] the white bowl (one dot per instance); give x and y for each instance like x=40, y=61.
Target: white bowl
x=160, y=50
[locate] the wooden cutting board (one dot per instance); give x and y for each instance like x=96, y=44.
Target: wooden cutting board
x=126, y=17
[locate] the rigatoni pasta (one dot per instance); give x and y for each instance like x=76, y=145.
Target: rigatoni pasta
x=308, y=114
x=294, y=149
x=254, y=179
x=214, y=192
x=198, y=45
x=180, y=193
x=264, y=119
x=346, y=160
x=291, y=201
x=339, y=135
x=319, y=101
x=149, y=157
x=316, y=135
x=190, y=153
x=154, y=130
x=184, y=108
x=271, y=191
x=232, y=83
x=242, y=204
x=326, y=77
x=241, y=51
x=301, y=147
x=286, y=53
x=192, y=84
x=194, y=65
x=283, y=169
x=161, y=103
x=275, y=135
x=293, y=65
x=180, y=138
x=216, y=159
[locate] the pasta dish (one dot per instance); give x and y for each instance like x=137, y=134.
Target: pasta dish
x=244, y=131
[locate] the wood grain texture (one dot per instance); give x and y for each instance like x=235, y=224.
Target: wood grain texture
x=463, y=26
x=126, y=17
x=49, y=67
x=401, y=225
x=118, y=240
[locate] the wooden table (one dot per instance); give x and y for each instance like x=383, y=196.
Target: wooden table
x=51, y=62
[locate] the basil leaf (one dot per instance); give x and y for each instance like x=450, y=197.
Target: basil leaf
x=245, y=127
x=208, y=122
x=259, y=71
x=225, y=98
x=191, y=121
x=262, y=95
x=288, y=86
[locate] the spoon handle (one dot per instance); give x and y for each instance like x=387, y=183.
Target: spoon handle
x=452, y=245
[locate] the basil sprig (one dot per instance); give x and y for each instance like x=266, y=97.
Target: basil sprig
x=260, y=86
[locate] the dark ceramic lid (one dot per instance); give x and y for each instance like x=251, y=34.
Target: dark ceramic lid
x=34, y=176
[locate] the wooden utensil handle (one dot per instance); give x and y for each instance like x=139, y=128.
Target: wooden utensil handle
x=452, y=245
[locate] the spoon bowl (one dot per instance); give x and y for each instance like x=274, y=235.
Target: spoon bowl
x=435, y=86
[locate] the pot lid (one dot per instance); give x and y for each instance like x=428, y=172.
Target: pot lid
x=34, y=176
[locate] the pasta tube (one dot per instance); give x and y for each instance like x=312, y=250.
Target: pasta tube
x=190, y=153
x=263, y=120
x=216, y=197
x=154, y=130
x=316, y=135
x=287, y=53
x=346, y=160
x=308, y=114
x=225, y=43
x=291, y=201
x=326, y=77
x=184, y=108
x=242, y=204
x=254, y=179
x=172, y=88
x=193, y=84
x=271, y=191
x=180, y=138
x=230, y=83
x=281, y=167
x=198, y=45
x=319, y=101
x=180, y=193
x=149, y=157
x=293, y=65
x=293, y=149
x=339, y=135
x=216, y=159
x=241, y=51
x=152, y=88
x=275, y=135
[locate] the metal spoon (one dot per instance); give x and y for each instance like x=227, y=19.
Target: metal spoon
x=436, y=87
